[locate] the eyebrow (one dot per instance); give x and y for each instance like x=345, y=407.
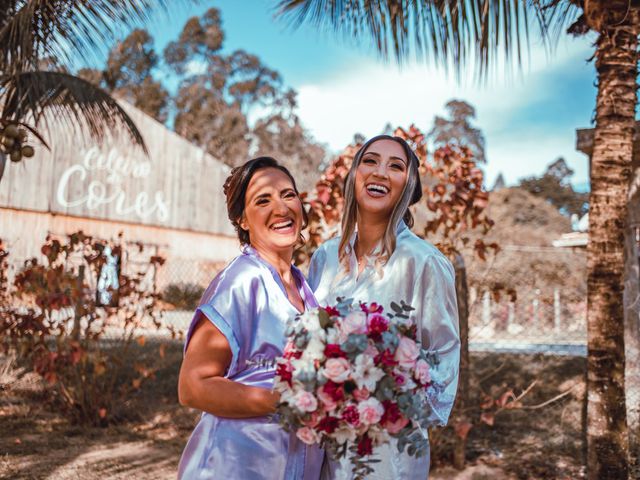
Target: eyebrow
x=393, y=158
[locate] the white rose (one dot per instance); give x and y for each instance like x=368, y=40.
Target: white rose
x=314, y=349
x=354, y=322
x=310, y=321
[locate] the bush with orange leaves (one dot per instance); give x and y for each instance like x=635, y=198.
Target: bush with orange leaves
x=87, y=354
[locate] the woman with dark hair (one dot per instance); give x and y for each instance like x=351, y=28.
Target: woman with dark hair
x=379, y=259
x=237, y=333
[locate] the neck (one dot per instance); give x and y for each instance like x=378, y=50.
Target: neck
x=278, y=259
x=370, y=231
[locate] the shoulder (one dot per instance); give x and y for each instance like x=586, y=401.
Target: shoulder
x=424, y=254
x=239, y=278
x=330, y=246
x=328, y=249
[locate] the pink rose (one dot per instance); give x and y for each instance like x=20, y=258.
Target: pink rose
x=399, y=424
x=308, y=435
x=305, y=401
x=422, y=373
x=361, y=394
x=400, y=378
x=327, y=401
x=354, y=322
x=313, y=420
x=370, y=411
x=406, y=353
x=337, y=369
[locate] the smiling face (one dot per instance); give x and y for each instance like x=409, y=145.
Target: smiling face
x=380, y=178
x=273, y=211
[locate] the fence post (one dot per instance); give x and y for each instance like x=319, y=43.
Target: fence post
x=535, y=303
x=512, y=314
x=556, y=309
x=486, y=308
x=462, y=399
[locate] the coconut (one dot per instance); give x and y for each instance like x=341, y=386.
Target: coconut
x=8, y=142
x=27, y=151
x=16, y=156
x=11, y=131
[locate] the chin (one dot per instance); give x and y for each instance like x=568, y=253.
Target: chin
x=283, y=243
x=377, y=209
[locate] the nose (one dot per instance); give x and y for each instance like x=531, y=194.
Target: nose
x=381, y=170
x=280, y=207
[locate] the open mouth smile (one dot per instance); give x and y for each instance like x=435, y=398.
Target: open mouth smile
x=283, y=226
x=377, y=189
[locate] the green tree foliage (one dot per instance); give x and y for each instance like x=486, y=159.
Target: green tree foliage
x=216, y=93
x=128, y=75
x=555, y=187
x=457, y=129
x=217, y=90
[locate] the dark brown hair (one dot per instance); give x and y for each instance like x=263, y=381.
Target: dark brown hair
x=235, y=189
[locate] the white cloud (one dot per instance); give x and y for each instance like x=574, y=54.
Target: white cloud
x=370, y=94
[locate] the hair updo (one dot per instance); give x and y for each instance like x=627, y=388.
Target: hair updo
x=235, y=189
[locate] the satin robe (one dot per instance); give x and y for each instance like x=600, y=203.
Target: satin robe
x=247, y=302
x=418, y=273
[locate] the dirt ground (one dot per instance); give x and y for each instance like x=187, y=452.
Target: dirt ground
x=536, y=442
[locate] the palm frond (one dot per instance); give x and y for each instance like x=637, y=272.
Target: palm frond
x=458, y=31
x=76, y=103
x=64, y=29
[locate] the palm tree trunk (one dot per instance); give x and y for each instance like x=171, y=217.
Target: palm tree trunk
x=617, y=68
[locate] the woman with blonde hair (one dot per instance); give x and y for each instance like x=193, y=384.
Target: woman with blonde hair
x=379, y=259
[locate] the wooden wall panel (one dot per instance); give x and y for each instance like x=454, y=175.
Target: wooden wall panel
x=177, y=186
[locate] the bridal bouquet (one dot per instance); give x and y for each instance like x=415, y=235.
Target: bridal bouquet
x=352, y=378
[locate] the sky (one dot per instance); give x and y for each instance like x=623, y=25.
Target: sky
x=529, y=118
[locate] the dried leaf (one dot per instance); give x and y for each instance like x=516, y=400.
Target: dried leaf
x=462, y=429
x=488, y=418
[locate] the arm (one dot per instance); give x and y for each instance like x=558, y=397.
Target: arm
x=437, y=309
x=202, y=384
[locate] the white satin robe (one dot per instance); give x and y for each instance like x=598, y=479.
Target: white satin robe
x=423, y=277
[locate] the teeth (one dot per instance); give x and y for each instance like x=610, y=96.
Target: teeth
x=286, y=224
x=378, y=188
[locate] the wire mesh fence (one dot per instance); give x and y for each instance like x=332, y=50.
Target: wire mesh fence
x=529, y=300
x=533, y=321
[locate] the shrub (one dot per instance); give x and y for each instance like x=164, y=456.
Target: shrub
x=183, y=296
x=85, y=352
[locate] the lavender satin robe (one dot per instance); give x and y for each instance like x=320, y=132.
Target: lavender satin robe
x=248, y=304
x=422, y=276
